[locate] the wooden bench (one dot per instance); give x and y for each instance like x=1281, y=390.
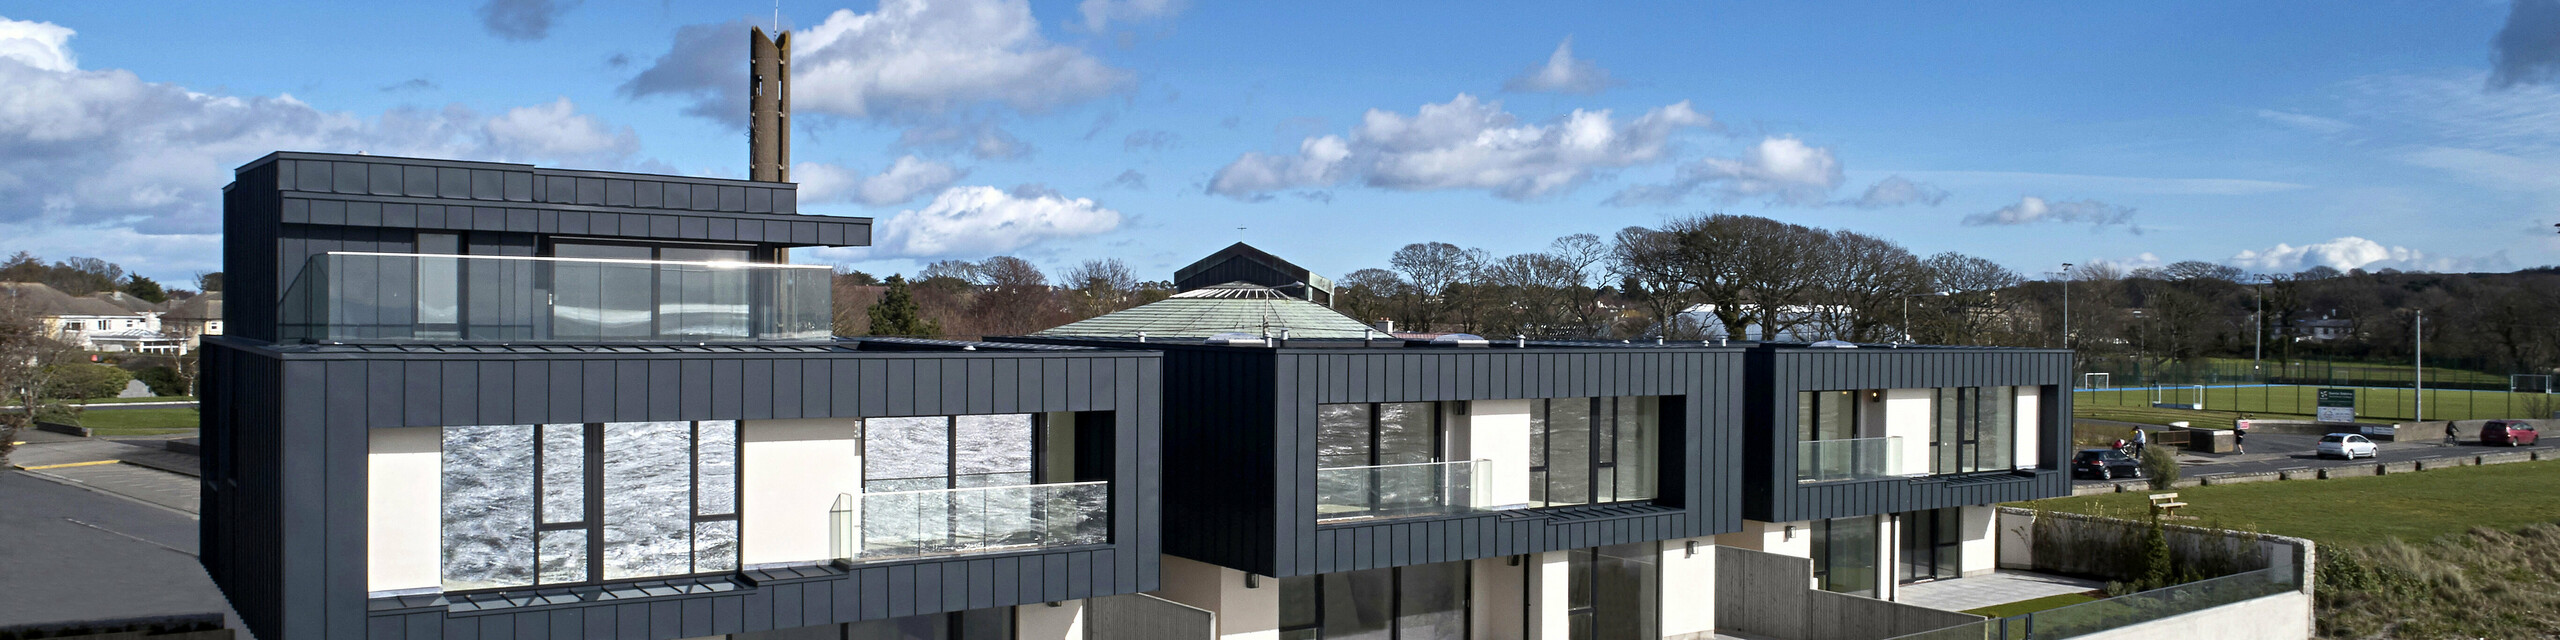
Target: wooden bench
x=2165, y=504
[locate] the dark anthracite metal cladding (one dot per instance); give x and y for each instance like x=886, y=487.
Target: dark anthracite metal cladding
x=1240, y=427
x=287, y=426
x=286, y=207
x=1778, y=372
x=285, y=474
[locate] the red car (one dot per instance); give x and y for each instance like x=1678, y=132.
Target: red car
x=2512, y=433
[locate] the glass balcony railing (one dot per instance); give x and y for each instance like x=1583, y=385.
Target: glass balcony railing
x=946, y=521
x=1398, y=490
x=1851, y=459
x=441, y=298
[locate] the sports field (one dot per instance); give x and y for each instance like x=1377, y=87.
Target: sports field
x=2282, y=401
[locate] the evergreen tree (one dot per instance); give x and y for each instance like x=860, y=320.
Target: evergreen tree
x=896, y=314
x=144, y=288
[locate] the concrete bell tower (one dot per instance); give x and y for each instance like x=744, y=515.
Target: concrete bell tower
x=768, y=106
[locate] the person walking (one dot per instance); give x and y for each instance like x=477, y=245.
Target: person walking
x=2240, y=436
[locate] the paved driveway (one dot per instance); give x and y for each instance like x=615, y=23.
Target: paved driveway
x=2281, y=451
x=70, y=553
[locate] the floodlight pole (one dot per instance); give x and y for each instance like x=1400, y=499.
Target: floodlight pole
x=2258, y=341
x=2066, y=305
x=2418, y=368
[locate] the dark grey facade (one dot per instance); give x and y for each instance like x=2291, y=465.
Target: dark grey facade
x=1240, y=434
x=1779, y=371
x=287, y=424
x=1241, y=262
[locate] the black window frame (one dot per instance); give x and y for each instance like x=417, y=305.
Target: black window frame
x=592, y=520
x=1314, y=584
x=1603, y=428
x=1958, y=419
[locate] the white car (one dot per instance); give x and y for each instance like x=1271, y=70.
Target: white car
x=2347, y=445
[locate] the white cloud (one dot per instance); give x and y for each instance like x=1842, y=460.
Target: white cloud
x=2032, y=210
x=1896, y=191
x=910, y=61
x=905, y=179
x=1099, y=14
x=2112, y=184
x=1464, y=143
x=107, y=151
x=43, y=45
x=2304, y=121
x=557, y=130
x=2144, y=260
x=1562, y=73
x=2358, y=253
x=973, y=222
x=1784, y=170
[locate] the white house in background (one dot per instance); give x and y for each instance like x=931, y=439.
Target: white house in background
x=1798, y=320
x=194, y=319
x=92, y=323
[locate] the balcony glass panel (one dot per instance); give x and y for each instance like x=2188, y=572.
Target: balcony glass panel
x=1850, y=459
x=945, y=521
x=1397, y=490
x=411, y=297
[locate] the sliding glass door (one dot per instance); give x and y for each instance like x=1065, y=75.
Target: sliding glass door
x=1931, y=548
x=1614, y=593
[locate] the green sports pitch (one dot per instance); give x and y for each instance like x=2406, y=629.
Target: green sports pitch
x=2372, y=403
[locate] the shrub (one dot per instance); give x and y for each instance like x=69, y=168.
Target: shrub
x=84, y=380
x=162, y=380
x=2160, y=464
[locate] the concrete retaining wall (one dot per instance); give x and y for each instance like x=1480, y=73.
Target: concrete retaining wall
x=2389, y=468
x=2503, y=458
x=2240, y=478
x=2075, y=544
x=2350, y=471
x=2284, y=616
x=2445, y=463
x=1765, y=594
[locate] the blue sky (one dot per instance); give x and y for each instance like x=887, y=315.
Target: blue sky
x=2409, y=135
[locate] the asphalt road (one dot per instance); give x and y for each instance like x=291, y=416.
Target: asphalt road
x=68, y=553
x=2279, y=452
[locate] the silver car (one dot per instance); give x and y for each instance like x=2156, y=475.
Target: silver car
x=2347, y=445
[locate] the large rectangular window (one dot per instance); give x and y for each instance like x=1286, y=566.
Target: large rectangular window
x=1844, y=555
x=1974, y=430
x=1593, y=450
x=1932, y=547
x=974, y=483
x=528, y=505
x=1614, y=593
x=1420, y=602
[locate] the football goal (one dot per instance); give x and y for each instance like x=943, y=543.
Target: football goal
x=2177, y=396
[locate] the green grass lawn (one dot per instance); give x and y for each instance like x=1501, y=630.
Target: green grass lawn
x=139, y=422
x=2358, y=511
x=126, y=400
x=2300, y=401
x=2356, y=370
x=2031, y=606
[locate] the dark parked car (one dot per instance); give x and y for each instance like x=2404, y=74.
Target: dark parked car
x=2105, y=464
x=2511, y=433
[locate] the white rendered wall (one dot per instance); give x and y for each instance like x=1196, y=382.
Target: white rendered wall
x=1044, y=622
x=1548, y=596
x=404, y=480
x=1688, y=589
x=1497, y=431
x=1496, y=592
x=1978, y=527
x=1772, y=537
x=1907, y=416
x=1888, y=554
x=793, y=470
x=1243, y=614
x=2029, y=426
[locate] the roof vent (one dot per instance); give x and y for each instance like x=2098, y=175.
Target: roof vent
x=1238, y=339
x=1458, y=340
x=1834, y=344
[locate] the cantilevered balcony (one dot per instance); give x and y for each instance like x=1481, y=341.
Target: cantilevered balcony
x=894, y=524
x=1849, y=459
x=1398, y=490
x=392, y=297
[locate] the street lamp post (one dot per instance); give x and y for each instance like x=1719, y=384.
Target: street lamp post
x=2258, y=340
x=2418, y=368
x=1906, y=312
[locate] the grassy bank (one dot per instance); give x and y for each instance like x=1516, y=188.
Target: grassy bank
x=139, y=422
x=2298, y=401
x=2468, y=552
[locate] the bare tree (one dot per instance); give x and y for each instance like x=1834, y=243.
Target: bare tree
x=29, y=359
x=1439, y=272
x=1100, y=286
x=1584, y=257
x=1015, y=298
x=1973, y=308
x=1862, y=280
x=1370, y=295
